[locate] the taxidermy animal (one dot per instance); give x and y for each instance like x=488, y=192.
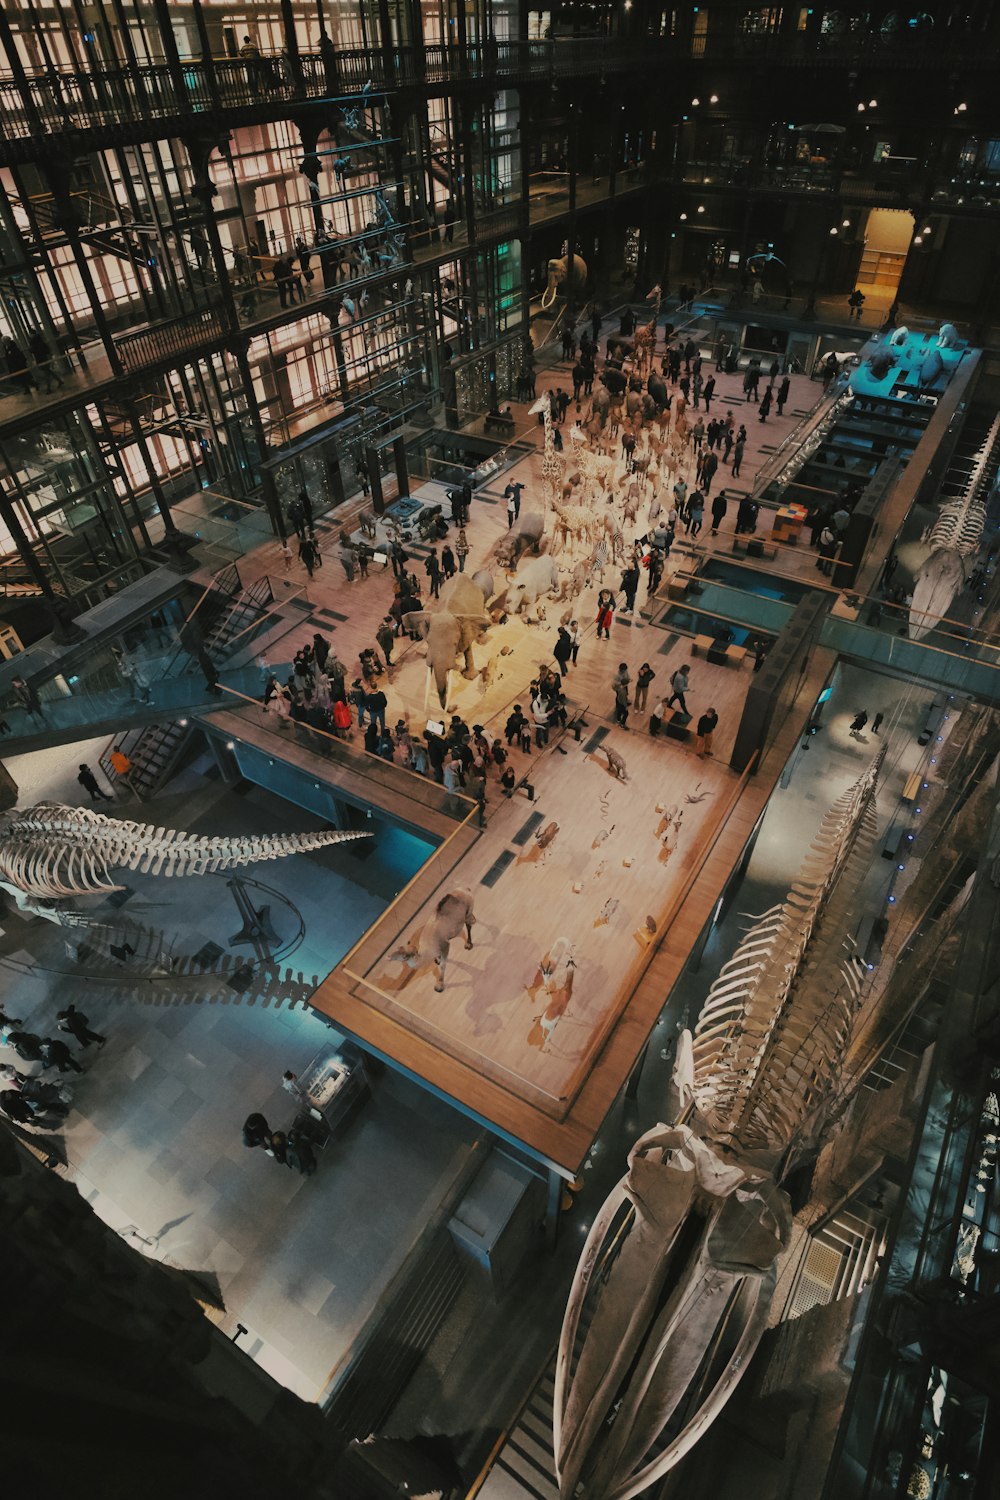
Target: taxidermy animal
x=616, y=764
x=566, y=271
x=541, y=576
x=453, y=913
x=554, y=978
x=451, y=630
x=526, y=532
x=543, y=838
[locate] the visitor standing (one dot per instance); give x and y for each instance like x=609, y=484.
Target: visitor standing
x=88, y=781
x=620, y=683
x=696, y=513
x=461, y=548
x=385, y=635
x=703, y=738
x=739, y=448
x=644, y=677
x=629, y=585
x=765, y=406
x=55, y=1054
x=77, y=1025
x=783, y=390
x=605, y=613
x=679, y=683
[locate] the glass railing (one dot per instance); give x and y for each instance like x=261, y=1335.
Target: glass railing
x=957, y=657
x=370, y=774
x=111, y=93
x=145, y=676
x=224, y=528
x=968, y=666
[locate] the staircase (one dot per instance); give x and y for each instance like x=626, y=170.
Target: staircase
x=370, y=1385
x=248, y=610
x=526, y=1463
x=153, y=749
x=839, y=1259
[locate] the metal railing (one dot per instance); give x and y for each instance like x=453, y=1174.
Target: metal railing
x=147, y=346
x=110, y=94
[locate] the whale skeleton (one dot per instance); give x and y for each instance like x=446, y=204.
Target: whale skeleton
x=677, y=1274
x=50, y=853
x=955, y=535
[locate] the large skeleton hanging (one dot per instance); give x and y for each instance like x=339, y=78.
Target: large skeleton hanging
x=52, y=852
x=680, y=1265
x=955, y=536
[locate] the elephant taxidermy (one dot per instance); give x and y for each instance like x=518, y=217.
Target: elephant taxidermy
x=451, y=630
x=567, y=268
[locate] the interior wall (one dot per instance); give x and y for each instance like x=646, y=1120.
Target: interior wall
x=889, y=230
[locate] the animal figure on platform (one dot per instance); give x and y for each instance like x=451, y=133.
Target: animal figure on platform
x=552, y=462
x=616, y=763
x=554, y=979
x=572, y=523
x=645, y=343
x=569, y=271
x=526, y=532
x=541, y=576
x=431, y=943
x=451, y=631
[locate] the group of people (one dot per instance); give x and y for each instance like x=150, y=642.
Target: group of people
x=626, y=698
x=290, y=1148
x=26, y=1098
x=26, y=374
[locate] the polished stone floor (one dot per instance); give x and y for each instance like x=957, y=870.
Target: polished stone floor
x=153, y=1139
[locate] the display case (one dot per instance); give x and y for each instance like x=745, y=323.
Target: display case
x=333, y=1083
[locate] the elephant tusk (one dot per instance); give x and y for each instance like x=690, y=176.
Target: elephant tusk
x=549, y=292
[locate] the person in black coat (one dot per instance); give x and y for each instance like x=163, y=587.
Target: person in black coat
x=76, y=1024
x=563, y=649
x=299, y=1154
x=256, y=1131
x=56, y=1054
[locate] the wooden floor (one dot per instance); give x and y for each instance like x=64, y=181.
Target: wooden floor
x=613, y=884
x=577, y=883
x=549, y=1086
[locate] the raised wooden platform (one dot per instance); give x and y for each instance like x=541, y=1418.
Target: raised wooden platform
x=580, y=870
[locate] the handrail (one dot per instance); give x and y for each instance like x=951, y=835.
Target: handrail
x=349, y=756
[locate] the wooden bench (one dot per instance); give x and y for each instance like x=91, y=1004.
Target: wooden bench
x=717, y=652
x=675, y=724
x=914, y=783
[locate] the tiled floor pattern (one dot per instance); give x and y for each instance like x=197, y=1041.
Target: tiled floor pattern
x=154, y=1137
